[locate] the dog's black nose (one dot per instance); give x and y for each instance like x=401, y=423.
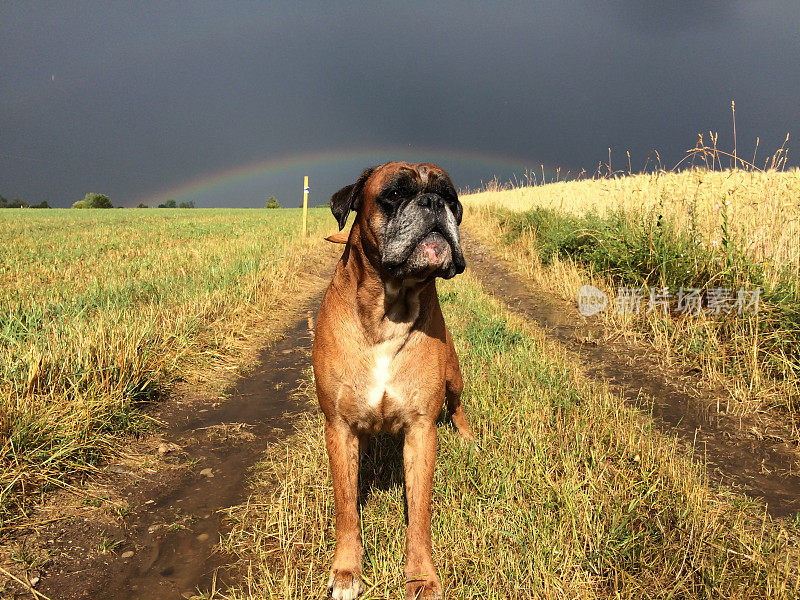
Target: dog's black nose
x=431, y=201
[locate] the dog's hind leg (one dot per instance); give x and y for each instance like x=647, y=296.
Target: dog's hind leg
x=456, y=411
x=454, y=385
x=343, y=450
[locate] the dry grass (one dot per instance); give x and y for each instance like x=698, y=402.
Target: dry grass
x=744, y=225
x=567, y=494
x=102, y=310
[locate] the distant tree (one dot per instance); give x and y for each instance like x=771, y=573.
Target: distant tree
x=93, y=200
x=42, y=204
x=189, y=204
x=17, y=203
x=272, y=202
x=3, y=202
x=142, y=205
x=99, y=201
x=168, y=204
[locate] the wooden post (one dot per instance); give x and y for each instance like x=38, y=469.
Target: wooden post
x=305, y=206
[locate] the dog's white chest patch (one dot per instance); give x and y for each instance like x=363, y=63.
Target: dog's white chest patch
x=381, y=377
x=394, y=332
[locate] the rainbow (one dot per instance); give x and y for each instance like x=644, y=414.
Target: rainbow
x=350, y=162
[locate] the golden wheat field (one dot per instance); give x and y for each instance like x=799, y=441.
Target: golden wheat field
x=763, y=207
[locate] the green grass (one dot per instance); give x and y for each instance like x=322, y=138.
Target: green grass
x=101, y=310
x=632, y=250
x=645, y=249
x=566, y=494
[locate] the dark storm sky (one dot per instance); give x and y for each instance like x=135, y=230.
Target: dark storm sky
x=137, y=99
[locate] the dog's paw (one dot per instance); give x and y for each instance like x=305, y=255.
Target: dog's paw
x=345, y=585
x=423, y=588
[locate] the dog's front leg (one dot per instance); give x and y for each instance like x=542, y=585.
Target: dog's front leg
x=343, y=445
x=419, y=457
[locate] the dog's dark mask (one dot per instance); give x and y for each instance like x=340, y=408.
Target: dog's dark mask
x=414, y=214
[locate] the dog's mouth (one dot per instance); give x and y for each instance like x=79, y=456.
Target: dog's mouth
x=433, y=250
x=434, y=255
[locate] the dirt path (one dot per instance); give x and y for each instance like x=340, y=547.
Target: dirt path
x=168, y=488
x=750, y=454
x=174, y=522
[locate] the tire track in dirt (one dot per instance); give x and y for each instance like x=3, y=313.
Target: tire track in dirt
x=225, y=440
x=166, y=546
x=751, y=454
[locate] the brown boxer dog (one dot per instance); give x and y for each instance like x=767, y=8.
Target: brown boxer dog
x=383, y=358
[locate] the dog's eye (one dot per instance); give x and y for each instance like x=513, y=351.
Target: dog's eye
x=394, y=195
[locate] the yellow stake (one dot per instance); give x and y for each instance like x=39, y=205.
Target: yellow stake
x=305, y=205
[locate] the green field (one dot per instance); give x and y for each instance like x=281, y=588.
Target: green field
x=566, y=493
x=101, y=310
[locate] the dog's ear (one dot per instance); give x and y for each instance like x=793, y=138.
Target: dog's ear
x=341, y=203
x=346, y=199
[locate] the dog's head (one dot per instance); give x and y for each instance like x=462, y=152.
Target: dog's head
x=408, y=215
